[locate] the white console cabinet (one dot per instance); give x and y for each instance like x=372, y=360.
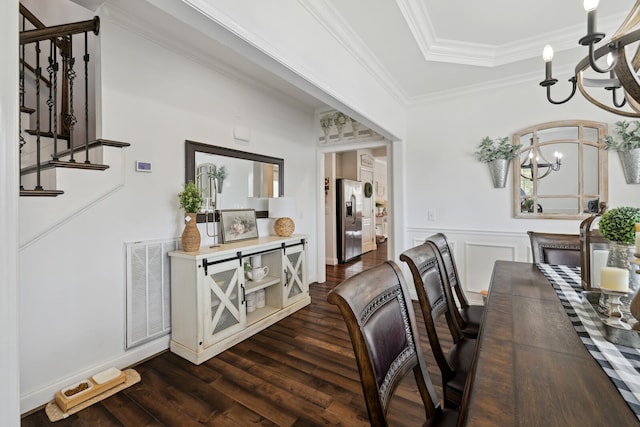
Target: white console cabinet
x=209, y=293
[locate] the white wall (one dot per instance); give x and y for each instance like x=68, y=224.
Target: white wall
x=72, y=279
x=442, y=174
x=9, y=366
x=313, y=53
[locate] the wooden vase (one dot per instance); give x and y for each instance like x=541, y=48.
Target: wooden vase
x=191, y=234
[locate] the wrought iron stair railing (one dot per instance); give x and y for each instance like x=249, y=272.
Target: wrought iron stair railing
x=48, y=101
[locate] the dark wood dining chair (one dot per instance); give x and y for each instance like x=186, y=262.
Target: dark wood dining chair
x=467, y=316
x=558, y=249
x=435, y=300
x=378, y=312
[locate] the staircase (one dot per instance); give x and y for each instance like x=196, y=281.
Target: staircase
x=54, y=107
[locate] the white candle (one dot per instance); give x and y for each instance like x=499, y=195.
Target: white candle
x=638, y=239
x=614, y=279
x=599, y=260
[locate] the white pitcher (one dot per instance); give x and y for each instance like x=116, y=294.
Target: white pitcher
x=258, y=273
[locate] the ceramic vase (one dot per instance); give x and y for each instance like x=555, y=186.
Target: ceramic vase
x=340, y=128
x=354, y=128
x=191, y=234
x=326, y=130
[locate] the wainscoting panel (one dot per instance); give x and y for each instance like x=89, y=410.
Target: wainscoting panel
x=475, y=253
x=148, y=297
x=479, y=258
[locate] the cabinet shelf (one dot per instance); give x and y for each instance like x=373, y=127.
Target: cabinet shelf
x=261, y=313
x=256, y=285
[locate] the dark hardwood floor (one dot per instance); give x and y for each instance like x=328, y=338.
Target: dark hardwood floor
x=298, y=372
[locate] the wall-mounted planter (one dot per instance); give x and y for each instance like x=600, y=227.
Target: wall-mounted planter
x=630, y=161
x=499, y=170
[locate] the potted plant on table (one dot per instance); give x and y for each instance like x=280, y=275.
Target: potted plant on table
x=618, y=226
x=497, y=153
x=628, y=148
x=191, y=201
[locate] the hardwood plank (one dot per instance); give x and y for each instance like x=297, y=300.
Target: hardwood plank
x=299, y=372
x=257, y=403
x=128, y=412
x=166, y=403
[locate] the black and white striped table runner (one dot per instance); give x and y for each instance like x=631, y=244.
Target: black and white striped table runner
x=620, y=363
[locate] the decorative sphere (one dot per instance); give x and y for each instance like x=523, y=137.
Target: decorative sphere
x=284, y=227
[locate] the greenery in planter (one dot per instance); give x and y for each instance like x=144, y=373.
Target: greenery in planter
x=219, y=173
x=618, y=224
x=500, y=148
x=190, y=198
x=628, y=134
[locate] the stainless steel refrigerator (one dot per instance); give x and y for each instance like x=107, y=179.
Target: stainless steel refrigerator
x=349, y=219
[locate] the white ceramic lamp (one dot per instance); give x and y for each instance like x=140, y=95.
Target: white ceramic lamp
x=282, y=208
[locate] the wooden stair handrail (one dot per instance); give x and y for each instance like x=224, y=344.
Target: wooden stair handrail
x=48, y=33
x=31, y=17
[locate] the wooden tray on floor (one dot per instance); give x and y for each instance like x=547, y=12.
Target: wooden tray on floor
x=54, y=412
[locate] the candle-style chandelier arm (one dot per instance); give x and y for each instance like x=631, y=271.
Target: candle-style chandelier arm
x=593, y=58
x=591, y=99
x=594, y=37
x=550, y=82
x=614, y=93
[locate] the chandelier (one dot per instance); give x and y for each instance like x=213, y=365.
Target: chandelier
x=619, y=76
x=540, y=166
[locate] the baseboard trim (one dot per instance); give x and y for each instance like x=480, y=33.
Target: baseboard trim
x=37, y=399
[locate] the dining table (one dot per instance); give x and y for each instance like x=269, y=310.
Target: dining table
x=531, y=367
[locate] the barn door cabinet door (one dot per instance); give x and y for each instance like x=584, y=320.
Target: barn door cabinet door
x=223, y=307
x=296, y=286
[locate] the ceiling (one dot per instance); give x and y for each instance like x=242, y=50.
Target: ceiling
x=428, y=48
x=418, y=49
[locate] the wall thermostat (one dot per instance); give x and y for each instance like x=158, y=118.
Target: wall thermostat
x=143, y=166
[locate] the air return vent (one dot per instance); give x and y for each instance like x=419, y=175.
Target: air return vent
x=148, y=290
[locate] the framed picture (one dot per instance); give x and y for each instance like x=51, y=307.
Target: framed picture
x=238, y=224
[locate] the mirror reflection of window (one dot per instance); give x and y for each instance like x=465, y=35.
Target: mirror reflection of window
x=560, y=171
x=207, y=185
x=248, y=184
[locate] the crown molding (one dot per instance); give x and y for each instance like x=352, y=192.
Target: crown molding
x=324, y=12
x=532, y=77
x=434, y=48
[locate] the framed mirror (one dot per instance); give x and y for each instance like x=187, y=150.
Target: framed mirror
x=561, y=170
x=250, y=179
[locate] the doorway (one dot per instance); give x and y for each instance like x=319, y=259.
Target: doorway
x=362, y=163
